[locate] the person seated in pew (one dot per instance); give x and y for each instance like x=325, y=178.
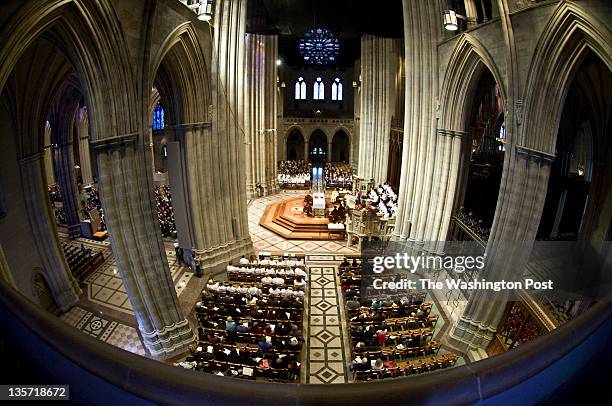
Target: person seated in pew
x=243, y=328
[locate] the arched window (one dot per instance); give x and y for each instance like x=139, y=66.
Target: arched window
x=164, y=151
x=319, y=89
x=158, y=117
x=300, y=89
x=337, y=89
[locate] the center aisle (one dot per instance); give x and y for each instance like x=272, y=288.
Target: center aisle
x=326, y=335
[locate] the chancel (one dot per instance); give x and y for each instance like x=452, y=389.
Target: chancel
x=306, y=202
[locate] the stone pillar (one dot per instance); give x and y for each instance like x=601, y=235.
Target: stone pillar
x=517, y=216
x=85, y=156
x=434, y=227
x=471, y=13
x=329, y=151
x=421, y=30
x=260, y=119
x=127, y=198
x=48, y=156
x=5, y=272
x=194, y=195
x=378, y=67
x=63, y=285
x=227, y=117
x=64, y=168
x=306, y=149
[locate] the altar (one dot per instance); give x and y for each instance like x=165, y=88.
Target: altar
x=287, y=219
x=318, y=204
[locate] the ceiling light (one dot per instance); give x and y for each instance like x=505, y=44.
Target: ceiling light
x=450, y=20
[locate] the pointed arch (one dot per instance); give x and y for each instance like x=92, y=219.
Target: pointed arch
x=89, y=35
x=468, y=61
x=567, y=39
x=179, y=75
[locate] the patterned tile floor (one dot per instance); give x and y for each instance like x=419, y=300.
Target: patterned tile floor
x=326, y=359
x=111, y=332
x=266, y=240
x=105, y=287
x=104, y=292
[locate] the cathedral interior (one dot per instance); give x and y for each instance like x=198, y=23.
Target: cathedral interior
x=306, y=202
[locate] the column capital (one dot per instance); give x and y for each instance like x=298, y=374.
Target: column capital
x=451, y=133
x=112, y=143
x=534, y=155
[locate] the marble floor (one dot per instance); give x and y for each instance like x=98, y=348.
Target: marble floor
x=326, y=335
x=266, y=240
x=104, y=310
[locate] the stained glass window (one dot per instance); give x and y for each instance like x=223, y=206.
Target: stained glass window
x=319, y=46
x=158, y=117
x=165, y=151
x=319, y=89
x=300, y=89
x=337, y=89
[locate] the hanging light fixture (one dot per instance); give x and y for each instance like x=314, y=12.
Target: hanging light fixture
x=203, y=9
x=450, y=20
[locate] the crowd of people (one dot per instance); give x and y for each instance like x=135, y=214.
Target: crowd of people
x=339, y=174
x=250, y=324
x=390, y=336
x=165, y=213
x=294, y=173
x=54, y=193
x=474, y=223
x=383, y=198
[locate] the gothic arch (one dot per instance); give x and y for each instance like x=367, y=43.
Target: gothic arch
x=341, y=146
x=294, y=127
x=91, y=41
x=294, y=148
x=467, y=63
x=179, y=75
x=328, y=138
x=568, y=37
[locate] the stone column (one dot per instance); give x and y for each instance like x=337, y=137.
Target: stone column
x=228, y=121
x=194, y=195
x=260, y=119
x=329, y=151
x=517, y=216
x=378, y=68
x=306, y=149
x=127, y=198
x=48, y=156
x=5, y=272
x=64, y=168
x=471, y=13
x=421, y=30
x=64, y=286
x=85, y=156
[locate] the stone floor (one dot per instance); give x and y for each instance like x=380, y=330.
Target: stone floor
x=104, y=310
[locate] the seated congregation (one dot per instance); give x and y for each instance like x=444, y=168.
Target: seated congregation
x=338, y=174
x=390, y=336
x=294, y=174
x=251, y=323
